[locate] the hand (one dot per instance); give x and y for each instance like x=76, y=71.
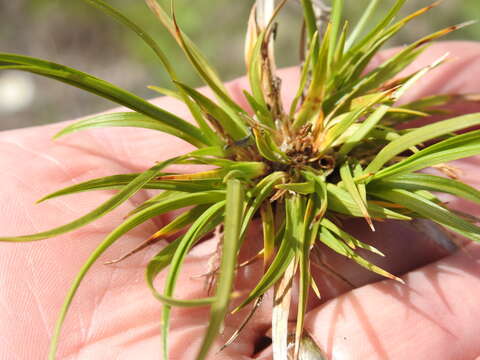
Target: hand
x=114, y=315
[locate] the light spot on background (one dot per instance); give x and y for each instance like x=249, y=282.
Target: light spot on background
x=17, y=91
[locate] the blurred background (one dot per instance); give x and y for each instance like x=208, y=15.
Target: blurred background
x=74, y=34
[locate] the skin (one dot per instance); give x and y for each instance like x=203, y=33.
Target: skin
x=435, y=315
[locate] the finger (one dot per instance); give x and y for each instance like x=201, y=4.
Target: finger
x=435, y=315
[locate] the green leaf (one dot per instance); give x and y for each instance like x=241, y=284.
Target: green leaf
x=268, y=227
x=351, y=187
x=160, y=262
x=124, y=119
x=195, y=110
x=163, y=58
x=267, y=147
x=202, y=66
x=109, y=10
x=305, y=73
x=359, y=56
x=234, y=127
x=321, y=191
x=340, y=48
x=312, y=30
x=255, y=70
x=363, y=22
x=348, y=120
x=378, y=28
x=338, y=246
x=263, y=114
x=285, y=254
x=230, y=247
x=415, y=182
x=363, y=130
x=200, y=60
x=340, y=201
x=420, y=135
x=303, y=188
x=402, y=59
x=135, y=185
x=180, y=222
x=119, y=181
x=304, y=281
x=336, y=19
x=347, y=238
x=207, y=73
x=205, y=223
x=156, y=199
x=311, y=108
x=101, y=88
x=129, y=224
x=458, y=147
x=259, y=194
x=425, y=208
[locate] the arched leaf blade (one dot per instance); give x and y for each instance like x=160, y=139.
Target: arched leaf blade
x=234, y=127
x=454, y=148
x=131, y=222
x=141, y=33
x=259, y=194
x=415, y=182
x=116, y=182
x=124, y=119
x=205, y=223
x=99, y=87
x=426, y=209
x=420, y=135
x=212, y=138
x=135, y=185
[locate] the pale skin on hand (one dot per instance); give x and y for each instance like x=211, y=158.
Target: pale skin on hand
x=435, y=315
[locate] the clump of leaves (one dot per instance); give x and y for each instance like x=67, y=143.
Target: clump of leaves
x=335, y=153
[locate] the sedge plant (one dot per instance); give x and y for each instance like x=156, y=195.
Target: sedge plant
x=336, y=152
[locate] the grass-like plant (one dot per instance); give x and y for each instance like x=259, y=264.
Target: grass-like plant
x=336, y=153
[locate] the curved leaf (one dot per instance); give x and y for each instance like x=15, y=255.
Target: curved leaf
x=102, y=88
x=417, y=136
x=131, y=222
x=135, y=185
x=415, y=182
x=124, y=119
x=205, y=223
x=119, y=181
x=426, y=208
x=457, y=147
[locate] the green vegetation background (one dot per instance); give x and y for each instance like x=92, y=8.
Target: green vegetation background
x=72, y=33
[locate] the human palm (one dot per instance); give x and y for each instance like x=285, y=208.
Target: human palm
x=114, y=315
